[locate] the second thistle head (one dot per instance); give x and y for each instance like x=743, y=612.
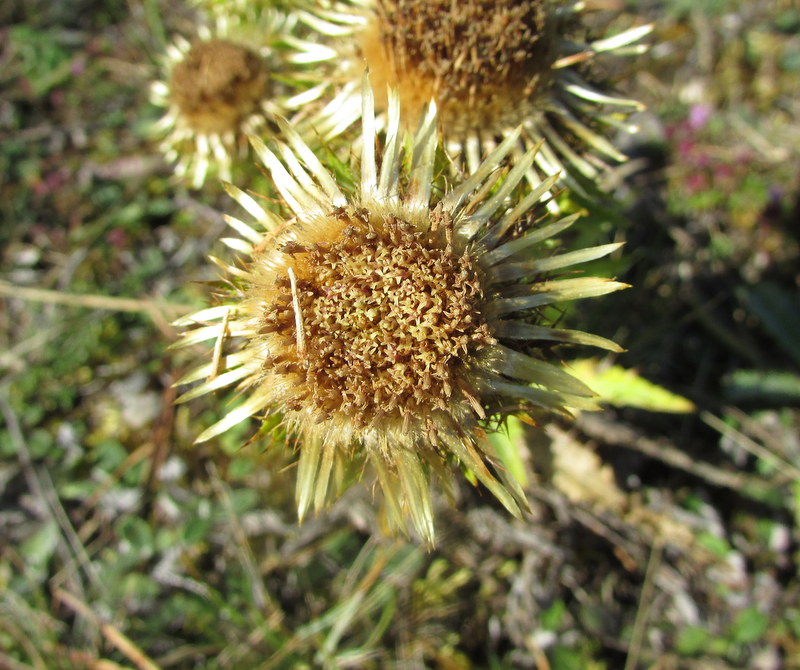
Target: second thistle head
x=491, y=66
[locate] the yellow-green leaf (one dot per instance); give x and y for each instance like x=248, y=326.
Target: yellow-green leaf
x=626, y=388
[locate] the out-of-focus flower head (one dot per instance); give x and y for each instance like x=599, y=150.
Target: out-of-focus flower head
x=243, y=68
x=491, y=66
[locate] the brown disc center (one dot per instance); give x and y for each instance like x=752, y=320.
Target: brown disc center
x=485, y=62
x=386, y=313
x=218, y=85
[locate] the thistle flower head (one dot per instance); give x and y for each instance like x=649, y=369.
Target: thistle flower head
x=242, y=69
x=491, y=66
x=392, y=326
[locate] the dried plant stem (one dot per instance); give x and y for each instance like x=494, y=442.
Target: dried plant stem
x=617, y=434
x=754, y=430
x=142, y=453
x=781, y=465
x=22, y=638
x=113, y=635
x=645, y=599
x=160, y=311
x=262, y=600
x=8, y=663
x=42, y=487
x=13, y=357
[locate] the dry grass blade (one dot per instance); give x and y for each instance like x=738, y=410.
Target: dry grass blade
x=8, y=663
x=640, y=623
x=617, y=434
x=113, y=635
x=41, y=485
x=160, y=311
x=261, y=598
x=781, y=465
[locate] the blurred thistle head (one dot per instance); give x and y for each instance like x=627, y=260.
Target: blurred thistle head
x=490, y=66
x=393, y=326
x=242, y=70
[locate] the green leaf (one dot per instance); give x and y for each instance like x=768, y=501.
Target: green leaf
x=138, y=534
x=109, y=455
x=772, y=386
x=239, y=468
x=553, y=617
x=40, y=443
x=43, y=62
x=749, y=626
x=196, y=530
x=243, y=500
x=77, y=489
x=714, y=543
x=796, y=496
x=692, y=640
x=39, y=547
x=509, y=444
x=626, y=388
x=568, y=658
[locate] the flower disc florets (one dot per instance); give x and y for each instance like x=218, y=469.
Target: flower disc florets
x=487, y=63
x=218, y=85
x=386, y=312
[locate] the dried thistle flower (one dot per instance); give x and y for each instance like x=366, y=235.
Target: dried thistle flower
x=490, y=66
x=392, y=327
x=239, y=73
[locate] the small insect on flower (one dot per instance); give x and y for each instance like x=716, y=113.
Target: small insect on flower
x=392, y=327
x=242, y=70
x=491, y=66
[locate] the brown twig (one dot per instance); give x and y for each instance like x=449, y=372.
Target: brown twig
x=617, y=434
x=161, y=434
x=160, y=311
x=112, y=634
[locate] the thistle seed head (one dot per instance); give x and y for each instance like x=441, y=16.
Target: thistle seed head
x=244, y=68
x=491, y=66
x=392, y=325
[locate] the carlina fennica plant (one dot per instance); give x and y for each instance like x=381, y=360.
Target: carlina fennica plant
x=244, y=68
x=393, y=326
x=490, y=66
